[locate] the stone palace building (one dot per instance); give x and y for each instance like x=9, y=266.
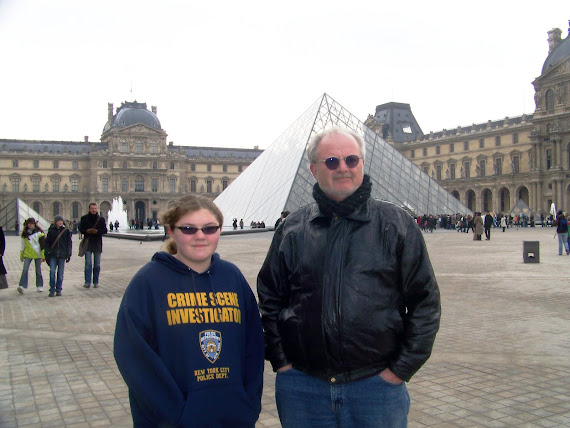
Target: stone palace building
x=492, y=166
x=133, y=160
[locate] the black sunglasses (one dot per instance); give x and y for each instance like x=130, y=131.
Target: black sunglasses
x=351, y=161
x=191, y=230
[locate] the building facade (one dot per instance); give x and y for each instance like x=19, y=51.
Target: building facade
x=133, y=160
x=491, y=166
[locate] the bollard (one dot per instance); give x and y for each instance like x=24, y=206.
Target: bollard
x=531, y=252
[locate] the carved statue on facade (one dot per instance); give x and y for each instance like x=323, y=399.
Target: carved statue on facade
x=477, y=170
x=538, y=99
x=461, y=172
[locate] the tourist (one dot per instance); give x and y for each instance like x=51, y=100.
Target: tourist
x=504, y=222
x=477, y=227
x=487, y=224
x=188, y=339
x=93, y=227
x=561, y=224
x=3, y=272
x=117, y=225
x=349, y=301
x=58, y=253
x=33, y=244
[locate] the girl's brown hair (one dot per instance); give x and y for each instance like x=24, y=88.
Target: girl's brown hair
x=186, y=205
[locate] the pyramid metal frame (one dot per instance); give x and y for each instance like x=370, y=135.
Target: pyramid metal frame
x=280, y=178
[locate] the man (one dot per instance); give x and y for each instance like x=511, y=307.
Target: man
x=93, y=227
x=349, y=301
x=488, y=225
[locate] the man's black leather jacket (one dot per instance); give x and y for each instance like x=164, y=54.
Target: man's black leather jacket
x=343, y=298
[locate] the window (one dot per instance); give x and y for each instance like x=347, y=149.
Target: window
x=451, y=147
x=124, y=184
x=224, y=184
x=406, y=128
x=482, y=166
x=209, y=186
x=139, y=183
x=15, y=184
x=138, y=146
x=36, y=207
x=548, y=158
x=105, y=184
x=172, y=185
x=438, y=172
x=516, y=164
x=452, y=171
x=15, y=163
x=75, y=184
x=75, y=210
x=481, y=143
x=104, y=164
x=192, y=167
x=171, y=165
x=426, y=170
x=239, y=168
x=125, y=165
x=467, y=169
x=437, y=150
x=124, y=147
x=55, y=164
x=36, y=163
x=55, y=185
x=75, y=165
x=193, y=186
x=225, y=168
x=155, y=165
x=549, y=99
x=413, y=154
x=515, y=138
x=498, y=140
x=466, y=146
x=209, y=168
x=35, y=184
x=154, y=147
x=425, y=151
x=498, y=166
x=154, y=185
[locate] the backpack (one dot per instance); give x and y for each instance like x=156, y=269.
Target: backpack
x=562, y=226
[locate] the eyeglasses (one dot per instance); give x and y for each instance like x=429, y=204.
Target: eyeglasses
x=351, y=161
x=191, y=230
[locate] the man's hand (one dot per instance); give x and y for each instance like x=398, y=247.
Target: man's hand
x=389, y=376
x=67, y=260
x=92, y=231
x=284, y=368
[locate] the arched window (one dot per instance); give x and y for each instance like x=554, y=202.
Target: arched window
x=550, y=99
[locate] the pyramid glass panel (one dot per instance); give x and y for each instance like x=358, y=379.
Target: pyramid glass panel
x=280, y=178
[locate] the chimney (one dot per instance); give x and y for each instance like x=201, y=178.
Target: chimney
x=109, y=111
x=171, y=143
x=554, y=39
x=86, y=138
x=153, y=109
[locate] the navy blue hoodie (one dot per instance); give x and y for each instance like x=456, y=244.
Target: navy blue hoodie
x=190, y=346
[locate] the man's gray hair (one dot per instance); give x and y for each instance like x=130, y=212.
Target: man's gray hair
x=316, y=140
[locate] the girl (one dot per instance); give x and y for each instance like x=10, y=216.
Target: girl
x=33, y=244
x=188, y=339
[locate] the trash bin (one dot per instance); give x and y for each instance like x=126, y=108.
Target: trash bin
x=531, y=252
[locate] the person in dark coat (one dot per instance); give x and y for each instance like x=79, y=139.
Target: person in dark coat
x=488, y=224
x=58, y=252
x=93, y=227
x=3, y=281
x=349, y=301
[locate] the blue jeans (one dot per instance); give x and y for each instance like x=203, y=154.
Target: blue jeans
x=24, y=277
x=56, y=263
x=562, y=242
x=306, y=401
x=92, y=266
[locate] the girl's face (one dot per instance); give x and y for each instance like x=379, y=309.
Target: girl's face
x=31, y=225
x=196, y=250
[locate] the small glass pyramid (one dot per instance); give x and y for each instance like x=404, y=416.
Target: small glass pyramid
x=280, y=178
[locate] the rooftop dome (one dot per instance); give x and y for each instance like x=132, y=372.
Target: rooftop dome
x=559, y=53
x=131, y=113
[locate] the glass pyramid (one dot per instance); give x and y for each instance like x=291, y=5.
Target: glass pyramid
x=280, y=178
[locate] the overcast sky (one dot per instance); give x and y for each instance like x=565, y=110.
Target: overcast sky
x=232, y=73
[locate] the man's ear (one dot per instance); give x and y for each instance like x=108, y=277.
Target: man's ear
x=313, y=168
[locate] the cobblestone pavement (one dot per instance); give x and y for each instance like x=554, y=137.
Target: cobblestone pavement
x=501, y=358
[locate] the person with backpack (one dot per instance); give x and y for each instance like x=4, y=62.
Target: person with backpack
x=562, y=230
x=58, y=252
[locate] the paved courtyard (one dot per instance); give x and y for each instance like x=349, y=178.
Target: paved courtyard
x=501, y=358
